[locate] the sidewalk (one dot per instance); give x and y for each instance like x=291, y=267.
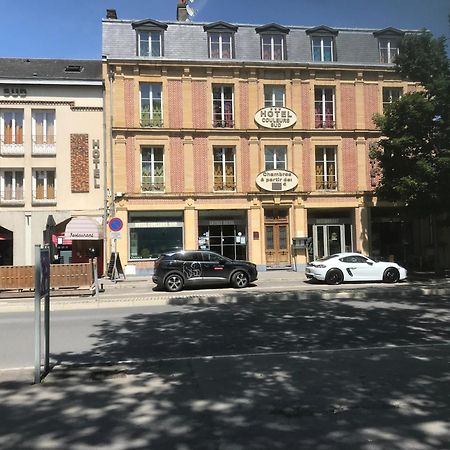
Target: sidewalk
x=140, y=291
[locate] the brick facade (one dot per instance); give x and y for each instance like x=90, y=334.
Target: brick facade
x=79, y=162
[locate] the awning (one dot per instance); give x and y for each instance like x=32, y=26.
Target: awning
x=83, y=228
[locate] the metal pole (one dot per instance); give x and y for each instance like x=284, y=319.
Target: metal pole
x=47, y=333
x=105, y=186
x=37, y=314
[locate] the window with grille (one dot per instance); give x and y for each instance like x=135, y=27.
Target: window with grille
x=151, y=104
x=274, y=95
x=224, y=169
x=275, y=157
x=324, y=107
x=326, y=175
x=152, y=169
x=223, y=106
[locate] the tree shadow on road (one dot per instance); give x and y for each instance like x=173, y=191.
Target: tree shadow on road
x=262, y=371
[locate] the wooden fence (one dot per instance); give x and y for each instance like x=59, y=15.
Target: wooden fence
x=61, y=276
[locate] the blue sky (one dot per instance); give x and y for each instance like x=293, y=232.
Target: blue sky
x=72, y=29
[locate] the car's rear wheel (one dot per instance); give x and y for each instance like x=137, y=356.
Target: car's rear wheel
x=174, y=283
x=240, y=279
x=391, y=275
x=334, y=276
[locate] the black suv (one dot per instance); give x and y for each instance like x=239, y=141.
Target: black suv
x=175, y=270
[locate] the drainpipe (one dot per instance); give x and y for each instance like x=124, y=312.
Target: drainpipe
x=111, y=162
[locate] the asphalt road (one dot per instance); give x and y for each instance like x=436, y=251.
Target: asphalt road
x=358, y=369
x=229, y=322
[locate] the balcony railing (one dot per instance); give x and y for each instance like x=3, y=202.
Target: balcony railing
x=152, y=187
x=44, y=145
x=11, y=148
x=224, y=186
x=228, y=123
x=156, y=122
x=328, y=123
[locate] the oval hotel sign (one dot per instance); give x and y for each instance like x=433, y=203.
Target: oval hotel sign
x=277, y=180
x=275, y=117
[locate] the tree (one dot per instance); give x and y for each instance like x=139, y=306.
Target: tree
x=413, y=154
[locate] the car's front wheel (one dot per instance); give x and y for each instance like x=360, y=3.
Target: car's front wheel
x=174, y=283
x=240, y=280
x=334, y=276
x=391, y=275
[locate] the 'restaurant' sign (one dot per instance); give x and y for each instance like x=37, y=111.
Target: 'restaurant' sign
x=277, y=180
x=275, y=117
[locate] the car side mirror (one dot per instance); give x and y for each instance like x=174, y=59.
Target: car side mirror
x=370, y=263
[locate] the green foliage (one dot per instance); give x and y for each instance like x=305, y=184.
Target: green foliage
x=414, y=154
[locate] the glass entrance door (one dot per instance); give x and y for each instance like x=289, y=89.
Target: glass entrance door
x=328, y=239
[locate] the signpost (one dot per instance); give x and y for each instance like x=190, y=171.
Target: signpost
x=41, y=290
x=115, y=225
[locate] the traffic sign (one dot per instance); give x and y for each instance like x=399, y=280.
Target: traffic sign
x=115, y=224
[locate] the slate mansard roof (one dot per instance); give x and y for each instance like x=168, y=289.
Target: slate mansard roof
x=61, y=70
x=188, y=41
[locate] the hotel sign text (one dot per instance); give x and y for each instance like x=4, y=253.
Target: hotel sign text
x=277, y=180
x=275, y=117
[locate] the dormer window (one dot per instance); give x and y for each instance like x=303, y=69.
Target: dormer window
x=273, y=42
x=149, y=36
x=220, y=40
x=388, y=44
x=322, y=43
x=150, y=43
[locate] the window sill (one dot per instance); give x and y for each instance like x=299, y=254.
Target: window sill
x=12, y=202
x=44, y=202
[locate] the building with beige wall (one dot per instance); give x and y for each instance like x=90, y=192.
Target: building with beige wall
x=249, y=140
x=51, y=159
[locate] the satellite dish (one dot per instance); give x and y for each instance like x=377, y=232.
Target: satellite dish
x=191, y=11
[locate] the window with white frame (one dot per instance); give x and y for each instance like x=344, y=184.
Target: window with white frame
x=273, y=47
x=44, y=184
x=389, y=49
x=322, y=48
x=274, y=95
x=224, y=169
x=220, y=45
x=324, y=107
x=11, y=124
x=11, y=185
x=390, y=95
x=223, y=106
x=43, y=129
x=152, y=169
x=275, y=157
x=326, y=175
x=151, y=104
x=150, y=43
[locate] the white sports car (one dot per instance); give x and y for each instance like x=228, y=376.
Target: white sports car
x=335, y=269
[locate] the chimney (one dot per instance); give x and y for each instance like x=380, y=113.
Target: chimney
x=182, y=14
x=111, y=14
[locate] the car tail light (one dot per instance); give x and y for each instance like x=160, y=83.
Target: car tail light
x=157, y=263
